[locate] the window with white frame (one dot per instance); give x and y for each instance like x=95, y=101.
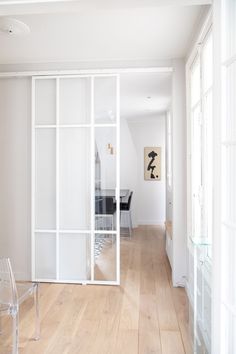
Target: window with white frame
x=200, y=75
x=228, y=179
x=201, y=141
x=207, y=71
x=196, y=155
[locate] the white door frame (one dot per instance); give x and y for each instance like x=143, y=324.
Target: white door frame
x=88, y=72
x=66, y=74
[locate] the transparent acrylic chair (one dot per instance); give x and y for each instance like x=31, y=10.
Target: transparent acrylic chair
x=12, y=295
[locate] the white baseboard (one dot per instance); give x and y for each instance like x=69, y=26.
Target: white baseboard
x=151, y=222
x=181, y=282
x=169, y=250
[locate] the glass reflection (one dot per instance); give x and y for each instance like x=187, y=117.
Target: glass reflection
x=105, y=257
x=105, y=178
x=105, y=100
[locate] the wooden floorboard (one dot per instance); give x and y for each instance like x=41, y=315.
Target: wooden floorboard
x=145, y=315
x=171, y=342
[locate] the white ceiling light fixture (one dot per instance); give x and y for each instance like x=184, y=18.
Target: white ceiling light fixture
x=13, y=27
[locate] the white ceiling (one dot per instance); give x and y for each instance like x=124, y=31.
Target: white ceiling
x=103, y=34
x=45, y=6
x=144, y=95
x=108, y=31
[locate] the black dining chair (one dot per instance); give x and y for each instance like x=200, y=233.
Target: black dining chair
x=125, y=208
x=104, y=211
x=105, y=208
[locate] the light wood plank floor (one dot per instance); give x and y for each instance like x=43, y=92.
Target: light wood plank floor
x=145, y=315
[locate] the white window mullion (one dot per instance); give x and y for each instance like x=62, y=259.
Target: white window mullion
x=92, y=146
x=118, y=179
x=227, y=289
x=33, y=275
x=57, y=178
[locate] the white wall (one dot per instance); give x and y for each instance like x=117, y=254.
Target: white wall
x=179, y=155
x=104, y=137
x=15, y=116
x=150, y=195
x=169, y=181
x=128, y=167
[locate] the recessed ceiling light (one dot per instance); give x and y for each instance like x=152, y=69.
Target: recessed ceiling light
x=13, y=27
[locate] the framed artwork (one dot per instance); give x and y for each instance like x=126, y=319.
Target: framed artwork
x=152, y=163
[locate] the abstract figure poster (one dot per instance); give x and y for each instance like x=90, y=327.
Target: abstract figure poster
x=152, y=163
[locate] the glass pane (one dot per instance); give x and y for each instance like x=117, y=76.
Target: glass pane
x=105, y=257
x=196, y=173
x=45, y=256
x=207, y=63
x=45, y=179
x=105, y=100
x=229, y=28
x=229, y=121
x=45, y=101
x=74, y=255
x=228, y=183
x=207, y=311
x=195, y=82
x=75, y=101
x=74, y=179
x=199, y=293
x=105, y=178
x=228, y=330
x=207, y=166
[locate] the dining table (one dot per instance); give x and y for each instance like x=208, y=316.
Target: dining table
x=124, y=193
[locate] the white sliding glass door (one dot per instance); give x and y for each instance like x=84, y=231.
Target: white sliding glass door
x=75, y=179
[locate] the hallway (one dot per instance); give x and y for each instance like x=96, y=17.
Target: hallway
x=145, y=315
